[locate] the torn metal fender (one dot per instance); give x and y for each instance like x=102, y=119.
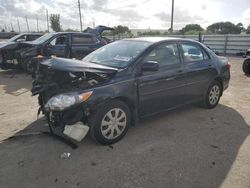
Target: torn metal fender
x=8, y=45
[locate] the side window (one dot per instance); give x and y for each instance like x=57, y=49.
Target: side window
x=23, y=37
x=31, y=37
x=60, y=40
x=193, y=52
x=165, y=54
x=82, y=39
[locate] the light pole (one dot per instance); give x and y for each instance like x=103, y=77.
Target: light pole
x=80, y=14
x=18, y=25
x=37, y=28
x=47, y=16
x=27, y=23
x=172, y=17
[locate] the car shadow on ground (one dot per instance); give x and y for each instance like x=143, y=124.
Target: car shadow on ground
x=11, y=86
x=188, y=147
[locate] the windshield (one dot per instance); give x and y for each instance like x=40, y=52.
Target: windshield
x=118, y=54
x=43, y=38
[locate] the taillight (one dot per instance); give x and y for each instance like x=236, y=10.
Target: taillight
x=229, y=66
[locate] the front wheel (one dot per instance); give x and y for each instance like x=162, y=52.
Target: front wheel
x=110, y=123
x=213, y=95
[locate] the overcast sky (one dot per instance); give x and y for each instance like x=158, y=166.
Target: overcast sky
x=137, y=14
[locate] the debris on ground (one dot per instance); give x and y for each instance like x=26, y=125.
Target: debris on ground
x=65, y=155
x=214, y=146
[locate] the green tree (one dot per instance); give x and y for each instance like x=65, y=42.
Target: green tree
x=248, y=30
x=223, y=28
x=150, y=33
x=107, y=33
x=191, y=29
x=71, y=30
x=122, y=30
x=193, y=32
x=240, y=25
x=55, y=22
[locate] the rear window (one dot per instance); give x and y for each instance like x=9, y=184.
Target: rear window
x=193, y=52
x=81, y=39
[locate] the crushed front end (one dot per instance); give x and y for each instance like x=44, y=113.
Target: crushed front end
x=11, y=55
x=64, y=92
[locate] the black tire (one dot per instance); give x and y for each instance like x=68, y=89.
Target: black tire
x=1, y=58
x=210, y=98
x=246, y=66
x=96, y=119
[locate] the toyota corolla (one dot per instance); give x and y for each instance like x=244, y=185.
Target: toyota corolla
x=111, y=88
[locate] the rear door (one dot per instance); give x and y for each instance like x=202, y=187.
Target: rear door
x=199, y=69
x=83, y=44
x=165, y=88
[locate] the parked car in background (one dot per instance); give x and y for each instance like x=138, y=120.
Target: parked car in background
x=61, y=44
x=125, y=80
x=246, y=66
x=8, y=47
x=247, y=54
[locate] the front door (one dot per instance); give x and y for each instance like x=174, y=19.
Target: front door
x=165, y=88
x=58, y=46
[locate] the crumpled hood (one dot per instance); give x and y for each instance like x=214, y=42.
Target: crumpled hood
x=7, y=45
x=72, y=65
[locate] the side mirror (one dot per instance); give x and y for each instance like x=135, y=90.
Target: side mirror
x=150, y=66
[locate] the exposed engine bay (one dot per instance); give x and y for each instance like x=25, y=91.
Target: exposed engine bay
x=58, y=77
x=11, y=55
x=48, y=82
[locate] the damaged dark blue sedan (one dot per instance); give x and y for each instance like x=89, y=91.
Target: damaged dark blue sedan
x=108, y=90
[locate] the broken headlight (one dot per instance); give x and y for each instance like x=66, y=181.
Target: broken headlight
x=64, y=101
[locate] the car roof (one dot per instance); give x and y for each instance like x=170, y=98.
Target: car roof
x=158, y=39
x=82, y=33
x=31, y=33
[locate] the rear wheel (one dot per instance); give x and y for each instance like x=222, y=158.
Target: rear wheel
x=246, y=66
x=1, y=58
x=110, y=123
x=213, y=95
